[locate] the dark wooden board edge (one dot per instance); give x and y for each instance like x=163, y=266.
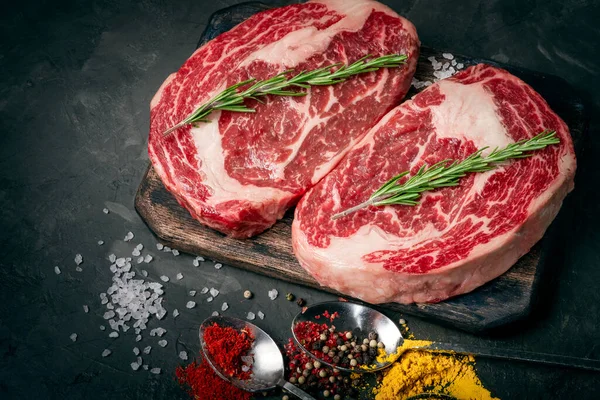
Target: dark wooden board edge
x=460, y=312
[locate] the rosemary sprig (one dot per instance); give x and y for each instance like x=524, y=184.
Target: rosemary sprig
x=448, y=173
x=232, y=99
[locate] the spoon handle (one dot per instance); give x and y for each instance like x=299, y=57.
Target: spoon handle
x=296, y=391
x=520, y=355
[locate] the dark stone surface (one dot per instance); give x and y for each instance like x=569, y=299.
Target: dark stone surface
x=77, y=78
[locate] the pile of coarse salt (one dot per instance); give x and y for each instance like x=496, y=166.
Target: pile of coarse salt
x=441, y=69
x=131, y=302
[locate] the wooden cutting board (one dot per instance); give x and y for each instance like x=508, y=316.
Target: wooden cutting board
x=501, y=301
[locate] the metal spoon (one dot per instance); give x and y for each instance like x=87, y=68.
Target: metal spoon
x=267, y=368
x=353, y=316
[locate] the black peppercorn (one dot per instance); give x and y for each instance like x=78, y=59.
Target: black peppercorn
x=301, y=302
x=317, y=345
x=373, y=352
x=336, y=360
x=339, y=342
x=372, y=335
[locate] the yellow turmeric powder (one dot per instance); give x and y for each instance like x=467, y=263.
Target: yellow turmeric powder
x=421, y=371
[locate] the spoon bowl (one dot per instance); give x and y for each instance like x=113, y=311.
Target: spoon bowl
x=267, y=365
x=353, y=317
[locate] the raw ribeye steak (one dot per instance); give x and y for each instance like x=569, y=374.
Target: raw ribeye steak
x=455, y=239
x=240, y=172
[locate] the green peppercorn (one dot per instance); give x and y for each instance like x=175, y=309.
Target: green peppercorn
x=305, y=373
x=308, y=366
x=337, y=397
x=365, y=341
x=322, y=373
x=301, y=380
x=344, y=348
x=289, y=297
x=350, y=356
x=286, y=397
x=364, y=348
x=323, y=336
x=331, y=353
x=353, y=363
x=373, y=343
x=247, y=294
x=326, y=393
x=317, y=364
x=332, y=379
x=292, y=379
x=349, y=335
x=325, y=349
x=380, y=345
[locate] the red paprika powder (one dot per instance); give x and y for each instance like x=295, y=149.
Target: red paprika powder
x=204, y=384
x=226, y=347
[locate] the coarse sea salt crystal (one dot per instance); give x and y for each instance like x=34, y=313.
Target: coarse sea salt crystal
x=147, y=349
x=179, y=276
x=218, y=266
x=250, y=316
x=102, y=327
x=73, y=336
x=78, y=269
x=164, y=278
x=175, y=252
x=183, y=355
x=112, y=258
x=460, y=66
x=175, y=313
x=162, y=343
x=192, y=293
x=447, y=56
x=105, y=210
x=128, y=237
x=190, y=304
x=147, y=258
x=261, y=315
x=273, y=293
x=208, y=300
x=224, y=307
x=145, y=366
x=140, y=260
x=57, y=270
x=155, y=371
x=453, y=63
x=204, y=290
x=106, y=353
x=86, y=309
x=215, y=314
x=138, y=338
x=214, y=292
x=159, y=246
x=135, y=252
x=78, y=259
x=135, y=366
x=113, y=334
x=136, y=351
x=100, y=242
x=140, y=247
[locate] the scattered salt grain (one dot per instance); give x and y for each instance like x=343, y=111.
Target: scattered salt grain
x=86, y=309
x=164, y=278
x=155, y=371
x=175, y=313
x=204, y=290
x=190, y=304
x=105, y=211
x=159, y=246
x=135, y=252
x=140, y=247
x=138, y=338
x=136, y=351
x=135, y=366
x=273, y=293
x=73, y=336
x=158, y=331
x=109, y=314
x=460, y=66
x=175, y=252
x=250, y=316
x=162, y=343
x=200, y=259
x=214, y=292
x=78, y=269
x=100, y=242
x=196, y=263
x=167, y=249
x=140, y=260
x=147, y=258
x=145, y=273
x=448, y=56
x=78, y=259
x=102, y=327
x=128, y=237
x=57, y=270
x=215, y=314
x=208, y=300
x=112, y=258
x=224, y=307
x=145, y=366
x=179, y=276
x=261, y=315
x=453, y=63
x=192, y=293
x=218, y=266
x=113, y=334
x=183, y=355
x=106, y=353
x=147, y=349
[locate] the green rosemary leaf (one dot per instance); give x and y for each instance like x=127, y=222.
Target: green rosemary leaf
x=448, y=173
x=232, y=98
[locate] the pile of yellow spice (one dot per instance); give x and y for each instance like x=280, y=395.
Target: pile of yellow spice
x=419, y=371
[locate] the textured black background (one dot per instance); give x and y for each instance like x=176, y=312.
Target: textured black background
x=77, y=78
